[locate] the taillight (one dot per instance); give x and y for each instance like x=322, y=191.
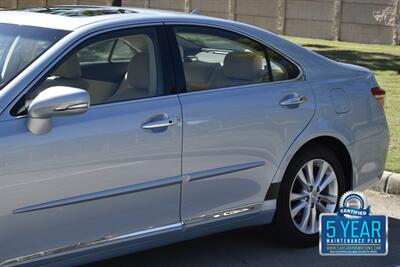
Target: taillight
x=379, y=95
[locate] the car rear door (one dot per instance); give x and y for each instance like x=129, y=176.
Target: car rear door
x=111, y=174
x=244, y=105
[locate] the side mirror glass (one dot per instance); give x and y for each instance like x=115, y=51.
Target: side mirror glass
x=55, y=101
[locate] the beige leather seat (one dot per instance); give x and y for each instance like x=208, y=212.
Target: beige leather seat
x=136, y=83
x=68, y=74
x=239, y=68
x=198, y=74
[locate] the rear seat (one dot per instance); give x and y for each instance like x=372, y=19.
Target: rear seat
x=198, y=74
x=239, y=68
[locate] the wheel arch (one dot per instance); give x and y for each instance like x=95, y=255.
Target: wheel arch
x=332, y=142
x=340, y=150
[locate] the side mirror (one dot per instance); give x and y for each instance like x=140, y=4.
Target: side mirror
x=55, y=101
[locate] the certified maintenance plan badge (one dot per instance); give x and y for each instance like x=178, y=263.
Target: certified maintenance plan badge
x=353, y=231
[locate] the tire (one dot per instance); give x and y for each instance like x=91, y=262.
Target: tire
x=297, y=230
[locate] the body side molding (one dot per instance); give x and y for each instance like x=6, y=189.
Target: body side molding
x=207, y=218
x=224, y=213
x=103, y=194
x=195, y=176
x=101, y=241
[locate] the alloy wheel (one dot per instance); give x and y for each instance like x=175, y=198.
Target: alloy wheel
x=314, y=191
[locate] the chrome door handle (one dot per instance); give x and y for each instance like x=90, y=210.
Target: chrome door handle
x=293, y=100
x=170, y=121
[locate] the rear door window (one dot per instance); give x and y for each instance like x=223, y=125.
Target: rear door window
x=214, y=58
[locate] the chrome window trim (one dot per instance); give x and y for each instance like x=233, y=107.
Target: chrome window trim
x=123, y=190
x=85, y=245
x=238, y=87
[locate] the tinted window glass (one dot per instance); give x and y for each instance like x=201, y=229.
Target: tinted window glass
x=282, y=69
x=97, y=52
x=123, y=51
x=214, y=58
x=21, y=45
x=139, y=75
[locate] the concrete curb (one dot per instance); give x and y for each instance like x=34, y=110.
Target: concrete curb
x=389, y=183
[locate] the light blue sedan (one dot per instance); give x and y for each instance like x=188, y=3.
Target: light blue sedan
x=123, y=129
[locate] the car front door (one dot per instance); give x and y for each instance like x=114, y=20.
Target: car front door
x=244, y=105
x=114, y=171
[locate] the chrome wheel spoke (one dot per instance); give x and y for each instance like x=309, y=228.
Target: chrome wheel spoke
x=306, y=217
x=312, y=194
x=313, y=219
x=310, y=172
x=321, y=173
x=302, y=179
x=322, y=208
x=299, y=206
x=329, y=199
x=329, y=179
x=298, y=196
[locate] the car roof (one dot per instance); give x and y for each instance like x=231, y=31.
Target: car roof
x=73, y=17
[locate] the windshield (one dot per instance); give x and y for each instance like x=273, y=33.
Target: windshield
x=20, y=45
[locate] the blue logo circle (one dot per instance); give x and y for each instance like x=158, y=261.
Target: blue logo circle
x=353, y=205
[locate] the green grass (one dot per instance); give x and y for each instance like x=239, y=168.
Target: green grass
x=384, y=61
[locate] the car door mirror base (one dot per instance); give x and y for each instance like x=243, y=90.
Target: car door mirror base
x=39, y=126
x=55, y=101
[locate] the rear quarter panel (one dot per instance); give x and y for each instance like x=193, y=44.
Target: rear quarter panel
x=353, y=117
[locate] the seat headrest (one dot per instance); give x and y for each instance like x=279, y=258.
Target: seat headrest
x=242, y=66
x=70, y=69
x=138, y=74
